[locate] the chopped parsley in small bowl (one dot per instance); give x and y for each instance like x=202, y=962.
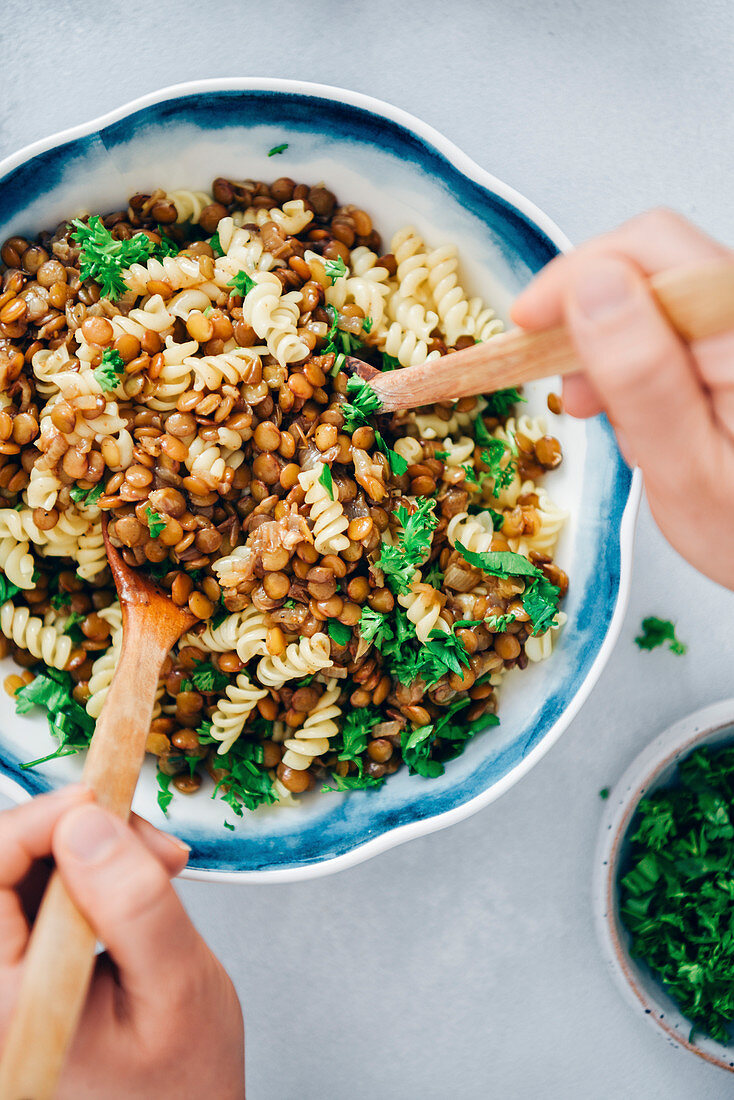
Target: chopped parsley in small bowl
x=664, y=883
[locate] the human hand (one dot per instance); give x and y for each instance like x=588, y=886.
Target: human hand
x=671, y=405
x=162, y=1018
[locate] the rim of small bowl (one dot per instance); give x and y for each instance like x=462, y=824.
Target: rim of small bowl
x=469, y=168
x=642, y=776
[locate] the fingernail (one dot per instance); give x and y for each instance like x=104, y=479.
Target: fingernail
x=180, y=845
x=89, y=834
x=604, y=290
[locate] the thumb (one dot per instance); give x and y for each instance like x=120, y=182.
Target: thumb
x=125, y=894
x=641, y=370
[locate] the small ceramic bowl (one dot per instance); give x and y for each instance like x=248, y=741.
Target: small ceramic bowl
x=653, y=768
x=403, y=172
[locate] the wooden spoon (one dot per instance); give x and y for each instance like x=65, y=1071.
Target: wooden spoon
x=699, y=302
x=58, y=965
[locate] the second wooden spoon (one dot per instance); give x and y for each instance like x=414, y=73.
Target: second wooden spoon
x=58, y=964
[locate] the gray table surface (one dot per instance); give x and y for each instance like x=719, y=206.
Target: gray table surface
x=465, y=963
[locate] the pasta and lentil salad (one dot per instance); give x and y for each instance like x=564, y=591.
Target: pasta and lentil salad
x=361, y=581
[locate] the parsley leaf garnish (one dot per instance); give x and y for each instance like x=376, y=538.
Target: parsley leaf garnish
x=216, y=245
x=242, y=284
x=540, y=600
x=109, y=370
x=68, y=721
x=205, y=677
x=103, y=258
x=7, y=589
x=353, y=782
x=493, y=456
x=278, y=149
x=327, y=481
x=340, y=633
x=656, y=632
x=398, y=464
x=165, y=794
x=364, y=404
x=501, y=402
x=86, y=497
x=374, y=626
x=389, y=362
x=335, y=269
x=246, y=783
x=400, y=562
x=499, y=563
x=156, y=522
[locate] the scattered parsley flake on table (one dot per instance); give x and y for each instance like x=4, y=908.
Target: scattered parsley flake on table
x=278, y=149
x=656, y=632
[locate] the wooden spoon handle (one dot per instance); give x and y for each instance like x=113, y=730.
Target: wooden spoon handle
x=60, y=958
x=698, y=302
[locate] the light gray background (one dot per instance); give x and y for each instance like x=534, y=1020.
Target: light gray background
x=465, y=963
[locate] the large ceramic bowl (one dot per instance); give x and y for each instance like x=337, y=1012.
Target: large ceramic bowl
x=655, y=767
x=401, y=171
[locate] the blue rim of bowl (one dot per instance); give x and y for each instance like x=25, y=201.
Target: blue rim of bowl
x=539, y=239
x=642, y=776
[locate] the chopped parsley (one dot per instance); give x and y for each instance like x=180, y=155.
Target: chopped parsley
x=216, y=245
x=61, y=599
x=103, y=258
x=499, y=563
x=656, y=632
x=156, y=522
x=278, y=149
x=367, y=324
x=374, y=626
x=426, y=748
x=400, y=562
x=355, y=733
x=338, y=632
x=206, y=678
x=7, y=589
x=165, y=794
x=604, y=793
x=481, y=435
x=68, y=721
x=389, y=362
x=493, y=457
x=364, y=404
x=540, y=600
x=86, y=497
x=242, y=284
x=353, y=782
x=335, y=269
x=327, y=481
x=398, y=464
x=246, y=784
x=501, y=402
x=677, y=889
x=109, y=370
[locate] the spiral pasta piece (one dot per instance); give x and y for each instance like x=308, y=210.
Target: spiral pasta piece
x=43, y=488
x=234, y=366
x=28, y=632
x=175, y=375
x=539, y=647
x=449, y=298
x=244, y=632
x=16, y=561
x=485, y=323
x=405, y=346
x=412, y=316
x=189, y=204
x=327, y=515
x=274, y=316
x=459, y=452
x=180, y=272
x=104, y=667
x=90, y=553
x=409, y=449
x=232, y=712
x=410, y=253
x=552, y=518
x=152, y=317
x=312, y=739
x=301, y=658
x=473, y=532
x=423, y=607
x=46, y=364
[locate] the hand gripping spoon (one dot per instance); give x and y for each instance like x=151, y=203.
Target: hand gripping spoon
x=60, y=958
